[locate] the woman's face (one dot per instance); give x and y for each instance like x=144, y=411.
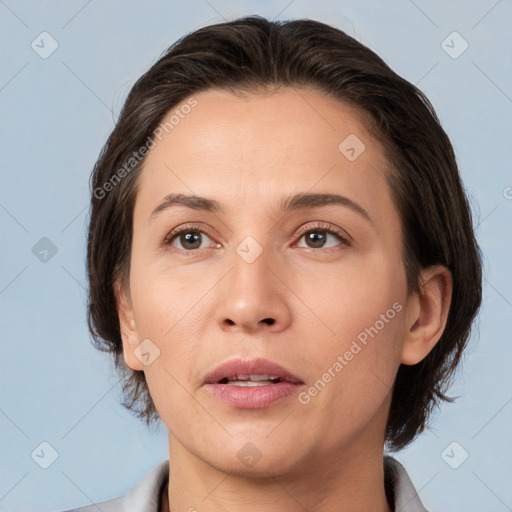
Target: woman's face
x=316, y=285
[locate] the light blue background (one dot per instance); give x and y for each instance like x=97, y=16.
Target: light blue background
x=57, y=113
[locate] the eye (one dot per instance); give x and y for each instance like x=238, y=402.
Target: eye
x=318, y=237
x=189, y=238
x=321, y=236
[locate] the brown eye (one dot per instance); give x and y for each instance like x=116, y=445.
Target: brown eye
x=189, y=239
x=316, y=239
x=322, y=238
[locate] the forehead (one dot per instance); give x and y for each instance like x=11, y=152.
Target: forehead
x=263, y=146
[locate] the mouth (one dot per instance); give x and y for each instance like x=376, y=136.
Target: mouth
x=251, y=372
x=250, y=380
x=251, y=384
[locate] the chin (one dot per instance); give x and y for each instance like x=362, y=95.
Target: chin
x=256, y=459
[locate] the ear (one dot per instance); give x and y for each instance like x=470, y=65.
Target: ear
x=427, y=312
x=129, y=333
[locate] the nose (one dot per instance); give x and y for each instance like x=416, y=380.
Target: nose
x=253, y=298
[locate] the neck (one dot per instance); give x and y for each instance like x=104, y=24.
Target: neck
x=352, y=480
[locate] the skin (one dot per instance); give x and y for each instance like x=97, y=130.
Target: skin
x=202, y=306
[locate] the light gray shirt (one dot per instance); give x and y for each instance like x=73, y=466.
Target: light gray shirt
x=145, y=495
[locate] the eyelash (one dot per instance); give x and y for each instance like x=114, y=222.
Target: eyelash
x=320, y=226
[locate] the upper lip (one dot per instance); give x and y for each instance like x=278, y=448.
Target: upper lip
x=259, y=366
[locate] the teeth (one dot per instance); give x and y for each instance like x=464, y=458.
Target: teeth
x=248, y=383
x=253, y=378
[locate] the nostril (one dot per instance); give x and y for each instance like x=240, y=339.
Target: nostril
x=269, y=321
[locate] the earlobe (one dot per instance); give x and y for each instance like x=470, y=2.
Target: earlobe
x=427, y=314
x=128, y=328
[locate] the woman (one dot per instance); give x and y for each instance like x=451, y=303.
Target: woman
x=282, y=262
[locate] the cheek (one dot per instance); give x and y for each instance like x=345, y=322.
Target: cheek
x=354, y=374
x=355, y=296
x=164, y=300
x=176, y=330
x=364, y=311
x=169, y=309
x=365, y=348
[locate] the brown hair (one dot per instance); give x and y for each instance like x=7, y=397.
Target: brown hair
x=251, y=54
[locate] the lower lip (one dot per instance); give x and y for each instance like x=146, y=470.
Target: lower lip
x=256, y=397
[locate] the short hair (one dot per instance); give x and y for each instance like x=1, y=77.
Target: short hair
x=254, y=54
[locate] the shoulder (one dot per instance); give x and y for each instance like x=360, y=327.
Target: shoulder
x=143, y=496
x=405, y=496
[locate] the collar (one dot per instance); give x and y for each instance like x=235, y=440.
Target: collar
x=400, y=488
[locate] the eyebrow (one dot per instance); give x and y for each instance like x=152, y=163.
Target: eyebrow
x=292, y=203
